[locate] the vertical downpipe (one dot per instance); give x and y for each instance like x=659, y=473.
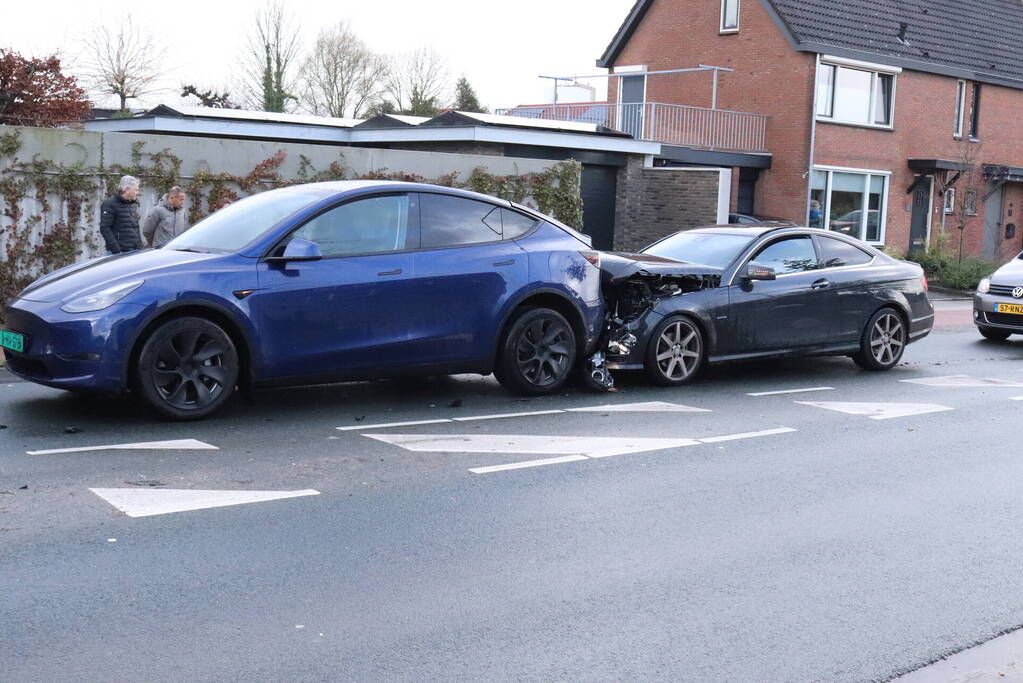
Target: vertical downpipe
x=813, y=144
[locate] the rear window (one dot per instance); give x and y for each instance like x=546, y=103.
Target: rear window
x=836, y=253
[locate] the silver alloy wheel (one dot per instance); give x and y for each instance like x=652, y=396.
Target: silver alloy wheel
x=887, y=338
x=678, y=350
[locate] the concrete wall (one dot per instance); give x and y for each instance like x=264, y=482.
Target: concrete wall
x=93, y=150
x=654, y=202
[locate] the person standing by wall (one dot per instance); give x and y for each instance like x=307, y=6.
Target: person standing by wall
x=167, y=219
x=119, y=218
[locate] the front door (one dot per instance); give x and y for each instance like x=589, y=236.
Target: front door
x=920, y=219
x=351, y=310
x=993, y=225
x=790, y=312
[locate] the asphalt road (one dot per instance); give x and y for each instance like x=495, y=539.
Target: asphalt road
x=833, y=546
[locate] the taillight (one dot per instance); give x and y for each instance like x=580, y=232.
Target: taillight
x=591, y=256
x=923, y=281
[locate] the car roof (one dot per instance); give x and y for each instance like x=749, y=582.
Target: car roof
x=341, y=186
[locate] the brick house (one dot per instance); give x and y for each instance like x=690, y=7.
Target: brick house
x=895, y=121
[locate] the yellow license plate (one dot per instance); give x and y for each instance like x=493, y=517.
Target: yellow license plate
x=1009, y=308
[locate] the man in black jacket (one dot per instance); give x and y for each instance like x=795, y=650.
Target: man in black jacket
x=119, y=218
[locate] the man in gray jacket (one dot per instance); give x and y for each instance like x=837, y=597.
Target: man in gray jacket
x=167, y=220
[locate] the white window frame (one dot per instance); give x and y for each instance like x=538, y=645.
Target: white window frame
x=950, y=200
x=960, y=108
x=883, y=209
x=875, y=70
x=729, y=29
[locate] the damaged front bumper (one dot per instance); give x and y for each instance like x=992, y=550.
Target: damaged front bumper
x=633, y=286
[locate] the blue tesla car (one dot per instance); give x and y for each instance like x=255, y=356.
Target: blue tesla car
x=318, y=283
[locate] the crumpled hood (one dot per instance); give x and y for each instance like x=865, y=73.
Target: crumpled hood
x=93, y=275
x=618, y=266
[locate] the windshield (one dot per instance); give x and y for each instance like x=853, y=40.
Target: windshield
x=707, y=248
x=234, y=226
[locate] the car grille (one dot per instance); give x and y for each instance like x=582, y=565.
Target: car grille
x=27, y=366
x=1004, y=319
x=1001, y=290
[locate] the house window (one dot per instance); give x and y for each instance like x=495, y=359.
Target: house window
x=852, y=203
x=960, y=107
x=848, y=95
x=975, y=113
x=950, y=200
x=970, y=203
x=729, y=15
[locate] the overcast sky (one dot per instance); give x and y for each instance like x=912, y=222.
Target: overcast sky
x=500, y=47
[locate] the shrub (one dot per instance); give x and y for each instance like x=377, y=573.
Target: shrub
x=948, y=271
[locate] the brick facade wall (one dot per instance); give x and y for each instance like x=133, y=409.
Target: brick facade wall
x=652, y=203
x=771, y=78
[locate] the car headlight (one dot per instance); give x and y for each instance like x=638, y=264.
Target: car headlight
x=984, y=286
x=101, y=299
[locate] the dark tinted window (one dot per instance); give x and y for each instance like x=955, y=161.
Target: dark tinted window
x=516, y=224
x=835, y=253
x=706, y=248
x=365, y=226
x=790, y=255
x=453, y=221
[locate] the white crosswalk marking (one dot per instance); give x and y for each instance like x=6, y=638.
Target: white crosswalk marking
x=148, y=502
x=589, y=446
x=647, y=407
x=878, y=411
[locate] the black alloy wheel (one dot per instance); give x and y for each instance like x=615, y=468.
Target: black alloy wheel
x=188, y=368
x=537, y=354
x=883, y=341
x=675, y=354
x=993, y=333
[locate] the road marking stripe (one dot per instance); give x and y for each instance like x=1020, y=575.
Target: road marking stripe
x=527, y=463
x=392, y=424
x=747, y=435
x=790, y=391
x=1016, y=398
x=646, y=407
x=504, y=415
x=178, y=445
x=962, y=381
x=148, y=502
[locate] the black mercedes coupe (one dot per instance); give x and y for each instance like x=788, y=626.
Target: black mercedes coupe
x=723, y=293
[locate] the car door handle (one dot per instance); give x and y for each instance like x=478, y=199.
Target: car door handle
x=504, y=263
x=820, y=284
x=396, y=271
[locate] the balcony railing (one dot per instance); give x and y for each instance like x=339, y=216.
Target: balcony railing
x=670, y=124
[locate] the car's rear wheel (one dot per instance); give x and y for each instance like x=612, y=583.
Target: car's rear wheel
x=537, y=354
x=993, y=333
x=675, y=354
x=187, y=369
x=883, y=341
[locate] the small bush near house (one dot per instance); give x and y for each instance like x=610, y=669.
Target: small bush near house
x=946, y=270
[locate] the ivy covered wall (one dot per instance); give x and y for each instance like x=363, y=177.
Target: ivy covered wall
x=53, y=181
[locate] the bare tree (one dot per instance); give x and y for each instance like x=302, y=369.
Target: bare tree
x=341, y=76
x=418, y=81
x=270, y=57
x=123, y=61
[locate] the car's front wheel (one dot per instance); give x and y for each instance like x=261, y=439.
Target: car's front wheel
x=187, y=368
x=993, y=333
x=883, y=341
x=675, y=353
x=537, y=354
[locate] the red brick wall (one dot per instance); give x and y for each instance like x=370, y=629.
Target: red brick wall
x=769, y=78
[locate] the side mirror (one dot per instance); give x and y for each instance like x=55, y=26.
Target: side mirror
x=299, y=249
x=756, y=271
